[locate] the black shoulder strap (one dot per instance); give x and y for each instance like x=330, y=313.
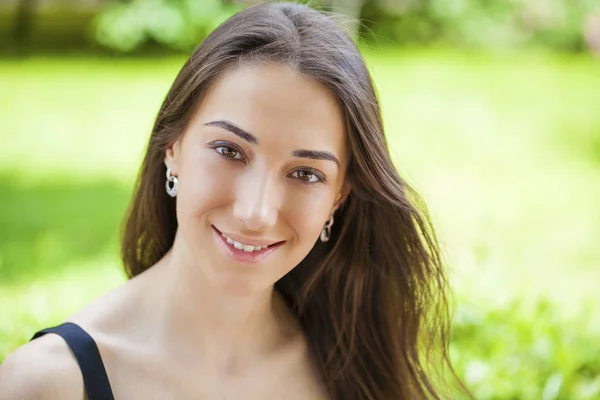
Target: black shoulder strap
x=88, y=357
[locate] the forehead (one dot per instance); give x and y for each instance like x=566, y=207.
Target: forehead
x=277, y=103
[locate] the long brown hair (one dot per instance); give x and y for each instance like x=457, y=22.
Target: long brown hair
x=373, y=301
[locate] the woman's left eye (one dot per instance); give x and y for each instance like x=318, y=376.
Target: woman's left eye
x=308, y=176
x=229, y=152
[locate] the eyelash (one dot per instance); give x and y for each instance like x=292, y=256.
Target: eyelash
x=220, y=145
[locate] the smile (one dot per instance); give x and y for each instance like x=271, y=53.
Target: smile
x=246, y=251
x=243, y=246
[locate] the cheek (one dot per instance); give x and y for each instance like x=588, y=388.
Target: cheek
x=307, y=212
x=203, y=186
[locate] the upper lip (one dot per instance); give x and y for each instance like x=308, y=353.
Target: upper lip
x=246, y=240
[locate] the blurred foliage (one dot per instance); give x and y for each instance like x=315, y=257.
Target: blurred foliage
x=176, y=24
x=518, y=352
x=558, y=24
x=181, y=24
x=136, y=26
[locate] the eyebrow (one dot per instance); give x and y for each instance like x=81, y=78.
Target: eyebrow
x=250, y=138
x=316, y=155
x=236, y=130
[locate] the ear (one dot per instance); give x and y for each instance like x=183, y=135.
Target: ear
x=172, y=156
x=342, y=196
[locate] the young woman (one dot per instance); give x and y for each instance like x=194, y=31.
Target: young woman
x=274, y=251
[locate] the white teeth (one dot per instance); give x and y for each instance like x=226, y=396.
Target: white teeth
x=241, y=246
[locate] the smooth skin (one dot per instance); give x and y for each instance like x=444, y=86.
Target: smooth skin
x=264, y=160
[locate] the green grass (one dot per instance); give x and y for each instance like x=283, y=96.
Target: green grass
x=504, y=148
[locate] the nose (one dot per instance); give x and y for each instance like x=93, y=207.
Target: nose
x=256, y=203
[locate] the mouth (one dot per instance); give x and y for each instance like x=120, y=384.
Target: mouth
x=245, y=253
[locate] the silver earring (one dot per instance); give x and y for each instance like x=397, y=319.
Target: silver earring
x=171, y=184
x=326, y=232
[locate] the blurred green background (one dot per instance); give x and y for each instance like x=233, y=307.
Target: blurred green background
x=492, y=109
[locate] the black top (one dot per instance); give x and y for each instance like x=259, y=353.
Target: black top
x=86, y=352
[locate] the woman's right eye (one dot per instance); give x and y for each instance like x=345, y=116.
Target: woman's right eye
x=229, y=152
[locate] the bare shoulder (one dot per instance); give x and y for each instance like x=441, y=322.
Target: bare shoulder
x=41, y=369
x=46, y=369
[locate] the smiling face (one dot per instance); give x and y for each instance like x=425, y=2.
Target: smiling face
x=261, y=163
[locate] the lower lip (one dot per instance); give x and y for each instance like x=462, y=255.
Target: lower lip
x=244, y=256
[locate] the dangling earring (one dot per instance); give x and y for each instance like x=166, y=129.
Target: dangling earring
x=171, y=189
x=326, y=232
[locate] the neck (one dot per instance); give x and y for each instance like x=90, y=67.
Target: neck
x=204, y=322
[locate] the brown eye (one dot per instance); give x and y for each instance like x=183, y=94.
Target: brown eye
x=307, y=176
x=228, y=151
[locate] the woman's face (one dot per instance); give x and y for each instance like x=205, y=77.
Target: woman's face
x=262, y=163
